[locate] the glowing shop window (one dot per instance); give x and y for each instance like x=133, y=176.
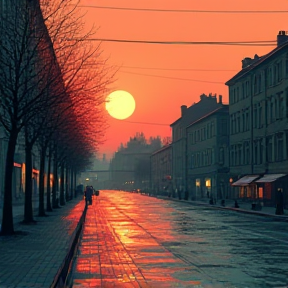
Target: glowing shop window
x=260, y=192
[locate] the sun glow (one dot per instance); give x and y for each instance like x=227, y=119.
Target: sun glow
x=120, y=104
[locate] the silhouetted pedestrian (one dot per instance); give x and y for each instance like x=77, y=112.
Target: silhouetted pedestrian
x=279, y=202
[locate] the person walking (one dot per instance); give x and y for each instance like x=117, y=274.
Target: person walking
x=88, y=195
x=279, y=202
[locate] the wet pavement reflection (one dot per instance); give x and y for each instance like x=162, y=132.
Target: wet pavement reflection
x=133, y=240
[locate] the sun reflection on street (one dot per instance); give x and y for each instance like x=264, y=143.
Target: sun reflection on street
x=117, y=251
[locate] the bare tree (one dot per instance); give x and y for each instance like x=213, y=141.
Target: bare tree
x=21, y=94
x=26, y=78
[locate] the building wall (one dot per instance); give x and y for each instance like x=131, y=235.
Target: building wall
x=207, y=156
x=259, y=118
x=188, y=116
x=161, y=171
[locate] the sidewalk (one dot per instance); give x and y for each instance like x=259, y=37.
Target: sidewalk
x=18, y=207
x=34, y=256
x=244, y=207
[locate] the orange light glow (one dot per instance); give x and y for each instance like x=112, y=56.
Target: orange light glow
x=163, y=77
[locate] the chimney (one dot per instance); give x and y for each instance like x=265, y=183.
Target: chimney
x=183, y=109
x=220, y=99
x=246, y=62
x=282, y=38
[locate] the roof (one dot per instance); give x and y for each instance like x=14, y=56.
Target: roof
x=224, y=107
x=196, y=111
x=245, y=181
x=255, y=64
x=165, y=147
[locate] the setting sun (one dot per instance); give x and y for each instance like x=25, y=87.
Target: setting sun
x=120, y=104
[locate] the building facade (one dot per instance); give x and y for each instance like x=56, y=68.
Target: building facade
x=258, y=98
x=161, y=171
x=208, y=156
x=188, y=115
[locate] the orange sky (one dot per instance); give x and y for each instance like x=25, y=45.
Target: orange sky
x=158, y=99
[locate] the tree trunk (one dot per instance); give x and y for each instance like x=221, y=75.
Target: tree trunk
x=28, y=208
x=55, y=199
x=62, y=184
x=7, y=227
x=75, y=184
x=68, y=197
x=41, y=211
x=48, y=202
x=72, y=188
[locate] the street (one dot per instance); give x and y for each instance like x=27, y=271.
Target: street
x=133, y=240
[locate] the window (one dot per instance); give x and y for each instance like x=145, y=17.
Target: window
x=260, y=88
x=232, y=156
x=212, y=129
x=270, y=75
x=237, y=94
x=247, y=89
x=279, y=71
x=240, y=154
x=238, y=123
x=281, y=107
x=261, y=149
x=224, y=131
x=247, y=120
x=255, y=116
x=275, y=74
x=271, y=111
x=221, y=156
x=255, y=152
x=232, y=124
x=260, y=116
x=269, y=149
x=246, y=152
x=279, y=147
x=255, y=85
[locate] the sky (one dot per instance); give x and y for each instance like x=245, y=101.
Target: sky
x=162, y=77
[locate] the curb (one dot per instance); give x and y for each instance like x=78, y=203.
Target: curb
x=239, y=210
x=62, y=277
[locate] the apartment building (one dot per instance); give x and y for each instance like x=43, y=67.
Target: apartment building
x=189, y=115
x=208, y=156
x=161, y=171
x=258, y=112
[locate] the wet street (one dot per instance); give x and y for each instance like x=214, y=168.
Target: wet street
x=133, y=240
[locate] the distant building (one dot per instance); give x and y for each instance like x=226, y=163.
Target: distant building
x=189, y=115
x=97, y=174
x=208, y=156
x=161, y=171
x=258, y=98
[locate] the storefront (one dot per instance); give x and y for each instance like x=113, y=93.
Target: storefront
x=247, y=188
x=267, y=186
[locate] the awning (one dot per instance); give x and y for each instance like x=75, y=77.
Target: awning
x=245, y=181
x=269, y=178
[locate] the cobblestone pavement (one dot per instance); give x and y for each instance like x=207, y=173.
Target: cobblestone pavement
x=118, y=249
x=33, y=256
x=110, y=258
